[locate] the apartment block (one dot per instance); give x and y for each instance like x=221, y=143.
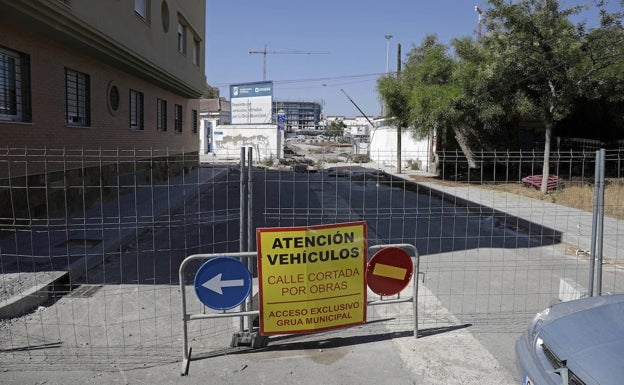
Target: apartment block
x=101, y=74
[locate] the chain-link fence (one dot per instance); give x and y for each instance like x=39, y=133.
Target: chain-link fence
x=91, y=242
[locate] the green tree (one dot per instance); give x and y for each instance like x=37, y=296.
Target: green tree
x=429, y=97
x=335, y=129
x=533, y=63
x=394, y=93
x=210, y=92
x=438, y=100
x=543, y=61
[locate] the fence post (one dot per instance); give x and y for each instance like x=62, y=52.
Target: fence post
x=250, y=231
x=597, y=224
x=600, y=208
x=243, y=218
x=243, y=202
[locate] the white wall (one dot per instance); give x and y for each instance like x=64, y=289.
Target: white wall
x=383, y=148
x=228, y=140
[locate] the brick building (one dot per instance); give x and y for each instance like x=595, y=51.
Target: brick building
x=101, y=74
x=100, y=93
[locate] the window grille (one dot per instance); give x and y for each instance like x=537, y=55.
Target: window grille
x=178, y=118
x=14, y=86
x=196, y=49
x=136, y=110
x=181, y=38
x=195, y=121
x=161, y=115
x=77, y=100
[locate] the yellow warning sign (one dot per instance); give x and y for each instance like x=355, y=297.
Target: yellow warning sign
x=311, y=278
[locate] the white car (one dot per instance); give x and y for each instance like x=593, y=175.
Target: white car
x=578, y=342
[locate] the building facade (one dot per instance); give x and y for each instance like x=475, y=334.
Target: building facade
x=212, y=113
x=101, y=74
x=299, y=115
x=95, y=96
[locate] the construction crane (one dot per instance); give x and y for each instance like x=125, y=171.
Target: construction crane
x=264, y=52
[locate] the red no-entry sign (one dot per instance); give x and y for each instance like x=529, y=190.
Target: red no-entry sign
x=389, y=271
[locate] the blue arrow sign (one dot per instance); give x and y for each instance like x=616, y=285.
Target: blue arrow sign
x=222, y=283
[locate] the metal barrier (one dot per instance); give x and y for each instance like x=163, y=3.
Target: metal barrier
x=414, y=298
x=253, y=338
x=186, y=351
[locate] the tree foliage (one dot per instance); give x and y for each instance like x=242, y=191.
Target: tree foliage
x=210, y=92
x=534, y=63
x=335, y=129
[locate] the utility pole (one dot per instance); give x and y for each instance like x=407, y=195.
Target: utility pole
x=264, y=52
x=399, y=134
x=388, y=37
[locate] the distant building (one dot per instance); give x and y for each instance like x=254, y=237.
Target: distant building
x=299, y=115
x=212, y=113
x=220, y=140
x=104, y=74
x=358, y=128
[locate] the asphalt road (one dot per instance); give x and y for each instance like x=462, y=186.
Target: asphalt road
x=470, y=261
x=484, y=277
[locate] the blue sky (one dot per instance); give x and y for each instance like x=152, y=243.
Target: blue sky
x=346, y=40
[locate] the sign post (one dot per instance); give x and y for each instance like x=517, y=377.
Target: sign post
x=222, y=283
x=311, y=278
x=389, y=271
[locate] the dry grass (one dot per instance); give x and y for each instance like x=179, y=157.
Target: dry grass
x=580, y=197
x=577, y=196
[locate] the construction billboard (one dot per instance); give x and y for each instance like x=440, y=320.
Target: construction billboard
x=252, y=103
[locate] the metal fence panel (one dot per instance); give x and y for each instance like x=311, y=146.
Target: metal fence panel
x=93, y=241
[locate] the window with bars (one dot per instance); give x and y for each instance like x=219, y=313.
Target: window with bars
x=195, y=122
x=161, y=115
x=196, y=49
x=14, y=86
x=136, y=110
x=178, y=118
x=77, y=98
x=181, y=38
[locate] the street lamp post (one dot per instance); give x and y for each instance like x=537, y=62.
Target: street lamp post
x=388, y=37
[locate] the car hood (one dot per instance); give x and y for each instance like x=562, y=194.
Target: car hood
x=589, y=336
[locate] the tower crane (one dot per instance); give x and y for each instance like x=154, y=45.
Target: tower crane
x=264, y=52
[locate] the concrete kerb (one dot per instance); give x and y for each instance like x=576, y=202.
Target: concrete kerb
x=557, y=233
x=558, y=224
x=35, y=296
x=24, y=302
x=32, y=297
x=519, y=223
